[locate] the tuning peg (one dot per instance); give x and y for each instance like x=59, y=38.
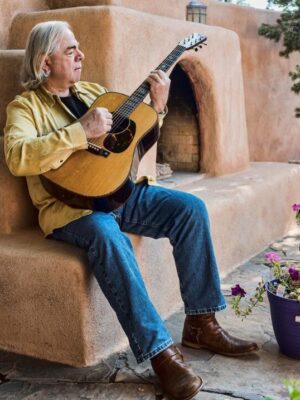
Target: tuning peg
x=196, y=48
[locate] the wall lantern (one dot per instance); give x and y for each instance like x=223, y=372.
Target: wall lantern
x=196, y=12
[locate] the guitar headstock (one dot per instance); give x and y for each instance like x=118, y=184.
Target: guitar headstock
x=193, y=41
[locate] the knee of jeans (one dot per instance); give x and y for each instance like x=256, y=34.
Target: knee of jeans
x=200, y=206
x=196, y=206
x=100, y=242
x=99, y=251
x=108, y=243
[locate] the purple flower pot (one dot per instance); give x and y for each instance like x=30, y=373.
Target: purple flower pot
x=285, y=314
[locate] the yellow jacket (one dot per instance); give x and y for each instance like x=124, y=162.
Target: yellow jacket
x=40, y=134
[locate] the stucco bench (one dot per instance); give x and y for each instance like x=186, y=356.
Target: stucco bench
x=51, y=306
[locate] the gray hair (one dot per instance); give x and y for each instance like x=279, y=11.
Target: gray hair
x=42, y=41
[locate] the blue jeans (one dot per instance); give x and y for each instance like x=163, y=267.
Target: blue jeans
x=156, y=212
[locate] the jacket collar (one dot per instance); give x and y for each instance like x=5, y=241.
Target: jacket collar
x=51, y=99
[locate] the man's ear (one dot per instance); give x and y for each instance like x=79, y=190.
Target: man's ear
x=46, y=65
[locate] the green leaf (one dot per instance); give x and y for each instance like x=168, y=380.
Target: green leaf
x=293, y=389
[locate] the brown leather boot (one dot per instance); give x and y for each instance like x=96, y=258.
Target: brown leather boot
x=204, y=332
x=177, y=379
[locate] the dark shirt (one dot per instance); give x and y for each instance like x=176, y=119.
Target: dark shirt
x=76, y=106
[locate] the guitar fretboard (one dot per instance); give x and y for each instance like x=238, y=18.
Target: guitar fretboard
x=141, y=92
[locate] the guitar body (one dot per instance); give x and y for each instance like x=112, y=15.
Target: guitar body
x=99, y=178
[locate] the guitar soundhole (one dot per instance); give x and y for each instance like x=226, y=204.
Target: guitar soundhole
x=120, y=136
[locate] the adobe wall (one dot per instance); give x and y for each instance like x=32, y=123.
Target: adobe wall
x=12, y=7
x=167, y=8
x=272, y=129
x=121, y=60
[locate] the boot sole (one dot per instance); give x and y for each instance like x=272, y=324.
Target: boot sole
x=191, y=396
x=199, y=347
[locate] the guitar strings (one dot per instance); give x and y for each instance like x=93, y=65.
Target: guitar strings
x=140, y=93
x=131, y=103
x=121, y=114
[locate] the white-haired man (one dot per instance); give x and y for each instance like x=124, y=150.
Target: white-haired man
x=49, y=122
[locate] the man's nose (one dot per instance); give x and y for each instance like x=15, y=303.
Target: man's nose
x=80, y=55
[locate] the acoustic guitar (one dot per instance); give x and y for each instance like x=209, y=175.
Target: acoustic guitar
x=98, y=178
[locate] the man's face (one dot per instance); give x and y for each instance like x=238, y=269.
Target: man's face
x=65, y=63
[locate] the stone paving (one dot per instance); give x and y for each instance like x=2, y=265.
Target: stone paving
x=119, y=377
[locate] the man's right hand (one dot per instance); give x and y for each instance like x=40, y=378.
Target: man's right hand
x=97, y=122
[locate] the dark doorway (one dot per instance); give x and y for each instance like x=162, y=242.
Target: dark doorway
x=179, y=143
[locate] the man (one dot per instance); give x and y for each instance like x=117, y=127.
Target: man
x=49, y=122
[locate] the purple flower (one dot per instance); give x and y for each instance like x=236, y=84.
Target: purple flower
x=294, y=274
x=296, y=207
x=238, y=291
x=272, y=257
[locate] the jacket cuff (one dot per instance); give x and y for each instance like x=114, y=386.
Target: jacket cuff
x=78, y=136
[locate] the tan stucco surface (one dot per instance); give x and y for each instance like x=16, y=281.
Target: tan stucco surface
x=169, y=8
x=51, y=305
x=10, y=65
x=12, y=7
x=121, y=60
x=272, y=129
x=274, y=132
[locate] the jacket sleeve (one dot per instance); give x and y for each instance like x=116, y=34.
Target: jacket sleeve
x=27, y=152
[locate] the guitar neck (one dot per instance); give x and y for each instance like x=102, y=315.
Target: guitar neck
x=141, y=92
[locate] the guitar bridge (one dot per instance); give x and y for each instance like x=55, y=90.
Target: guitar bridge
x=97, y=150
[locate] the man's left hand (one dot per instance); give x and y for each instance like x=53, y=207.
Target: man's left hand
x=159, y=89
